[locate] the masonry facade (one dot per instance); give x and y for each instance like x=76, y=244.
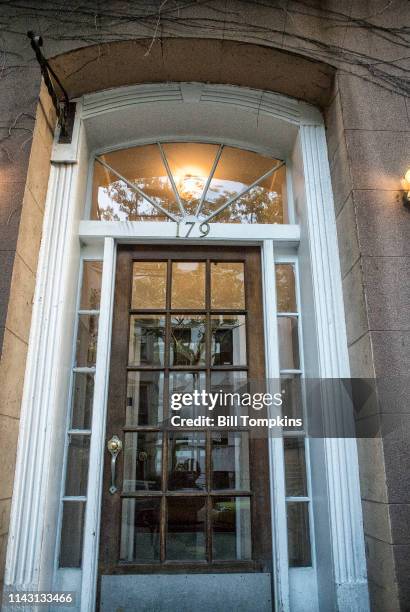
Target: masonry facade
x=289, y=51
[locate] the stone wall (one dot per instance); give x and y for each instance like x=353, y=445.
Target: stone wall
x=369, y=144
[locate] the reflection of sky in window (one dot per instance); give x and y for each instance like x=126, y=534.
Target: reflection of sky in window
x=219, y=187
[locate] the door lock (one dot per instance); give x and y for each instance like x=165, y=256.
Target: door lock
x=114, y=447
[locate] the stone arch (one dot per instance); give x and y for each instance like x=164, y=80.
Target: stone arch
x=115, y=64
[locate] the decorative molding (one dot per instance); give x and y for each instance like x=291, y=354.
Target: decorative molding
x=253, y=100
x=341, y=454
x=115, y=99
x=33, y=460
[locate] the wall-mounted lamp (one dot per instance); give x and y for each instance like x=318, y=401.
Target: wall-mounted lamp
x=405, y=182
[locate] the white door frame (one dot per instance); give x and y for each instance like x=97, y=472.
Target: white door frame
x=31, y=549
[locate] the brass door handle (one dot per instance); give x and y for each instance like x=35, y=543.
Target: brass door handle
x=114, y=447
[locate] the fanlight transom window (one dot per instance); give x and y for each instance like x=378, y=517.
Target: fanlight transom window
x=189, y=181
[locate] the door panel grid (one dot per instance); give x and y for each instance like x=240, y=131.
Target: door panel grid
x=189, y=499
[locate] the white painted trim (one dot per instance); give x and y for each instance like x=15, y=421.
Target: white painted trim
x=97, y=444
x=127, y=231
x=276, y=463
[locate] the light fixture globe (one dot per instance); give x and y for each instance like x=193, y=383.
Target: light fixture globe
x=405, y=182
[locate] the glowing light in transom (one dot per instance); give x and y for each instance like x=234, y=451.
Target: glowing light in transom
x=190, y=182
x=191, y=187
x=181, y=180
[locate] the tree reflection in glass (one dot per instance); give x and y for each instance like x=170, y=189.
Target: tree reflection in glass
x=149, y=279
x=186, y=461
x=134, y=184
x=187, y=340
x=228, y=345
x=188, y=284
x=146, y=343
x=227, y=285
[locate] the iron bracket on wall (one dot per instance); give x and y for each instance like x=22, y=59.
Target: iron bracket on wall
x=64, y=108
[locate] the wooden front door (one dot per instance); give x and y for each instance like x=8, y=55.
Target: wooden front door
x=190, y=500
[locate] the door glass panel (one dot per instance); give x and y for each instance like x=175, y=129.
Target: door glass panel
x=292, y=397
x=227, y=285
x=231, y=528
x=145, y=392
x=185, y=382
x=140, y=541
x=82, y=402
x=229, y=382
x=298, y=534
x=142, y=461
x=91, y=285
x=87, y=336
x=186, y=528
x=77, y=465
x=285, y=288
x=230, y=460
x=187, y=340
x=72, y=529
x=149, y=285
x=188, y=284
x=288, y=343
x=186, y=461
x=146, y=345
x=232, y=385
x=228, y=340
x=295, y=467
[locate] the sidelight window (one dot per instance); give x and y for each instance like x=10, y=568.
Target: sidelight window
x=74, y=494
x=296, y=448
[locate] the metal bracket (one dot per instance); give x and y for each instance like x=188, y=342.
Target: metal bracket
x=64, y=109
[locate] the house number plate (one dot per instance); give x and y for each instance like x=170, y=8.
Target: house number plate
x=193, y=229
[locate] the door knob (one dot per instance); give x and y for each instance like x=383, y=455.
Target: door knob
x=114, y=447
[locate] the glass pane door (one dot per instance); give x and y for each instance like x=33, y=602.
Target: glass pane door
x=185, y=499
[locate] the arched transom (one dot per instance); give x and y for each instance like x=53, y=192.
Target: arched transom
x=189, y=181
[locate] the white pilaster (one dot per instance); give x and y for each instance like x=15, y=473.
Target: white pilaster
x=33, y=456
x=44, y=402
x=342, y=471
